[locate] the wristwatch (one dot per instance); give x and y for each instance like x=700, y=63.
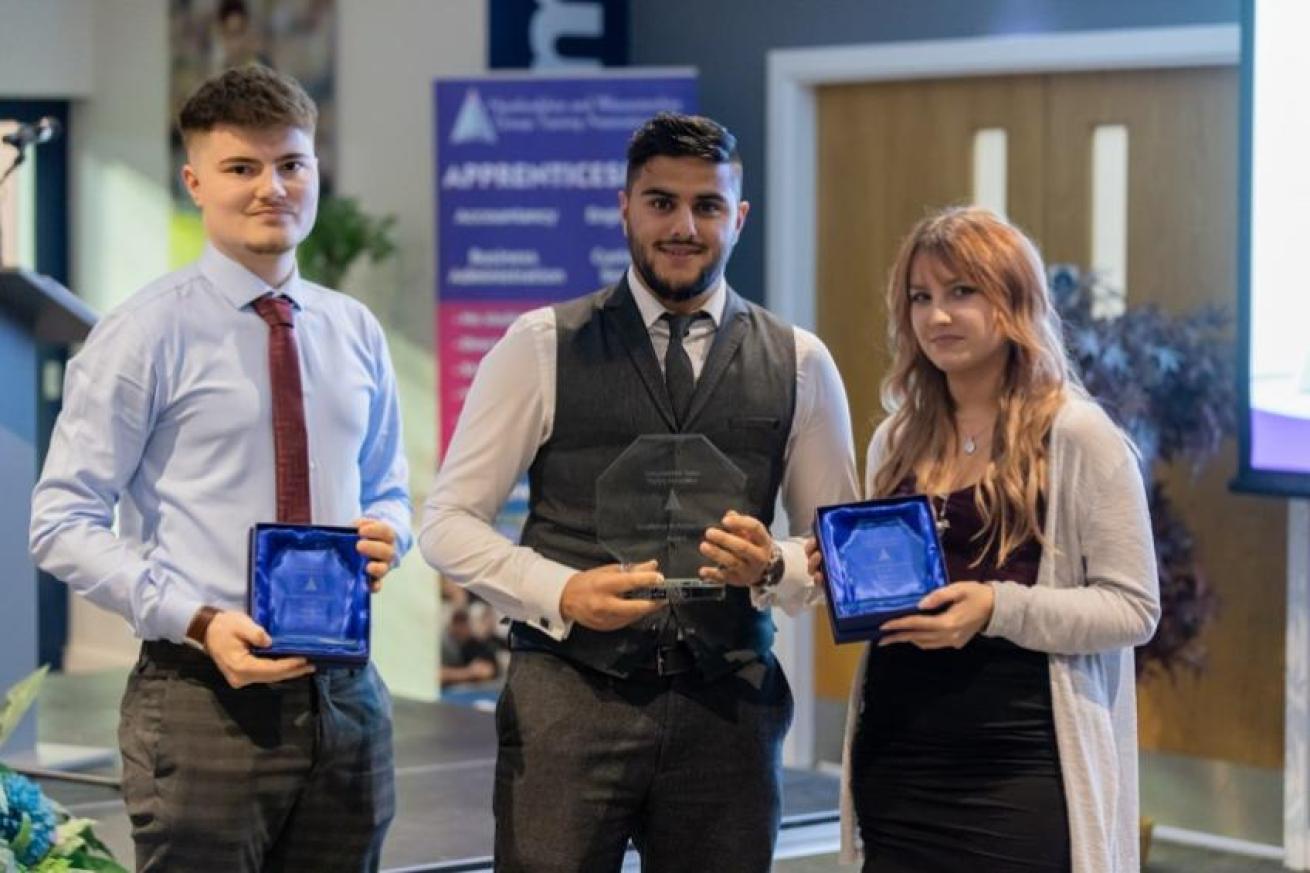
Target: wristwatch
x=772, y=574
x=199, y=626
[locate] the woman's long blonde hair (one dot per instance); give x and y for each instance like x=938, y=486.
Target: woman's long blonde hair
x=1006, y=268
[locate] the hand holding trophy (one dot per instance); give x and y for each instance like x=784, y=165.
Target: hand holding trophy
x=656, y=501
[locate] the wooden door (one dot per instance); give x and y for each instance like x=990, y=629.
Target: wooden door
x=889, y=152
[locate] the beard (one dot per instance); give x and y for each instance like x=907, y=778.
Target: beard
x=666, y=290
x=273, y=247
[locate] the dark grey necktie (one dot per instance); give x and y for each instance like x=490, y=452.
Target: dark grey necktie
x=679, y=378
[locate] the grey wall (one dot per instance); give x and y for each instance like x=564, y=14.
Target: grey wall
x=728, y=41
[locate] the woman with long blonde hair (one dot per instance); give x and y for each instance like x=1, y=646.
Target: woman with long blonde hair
x=996, y=730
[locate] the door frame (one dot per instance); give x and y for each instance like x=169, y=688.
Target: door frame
x=794, y=77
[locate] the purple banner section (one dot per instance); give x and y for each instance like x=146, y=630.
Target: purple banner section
x=528, y=174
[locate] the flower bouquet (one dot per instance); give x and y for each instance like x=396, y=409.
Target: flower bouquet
x=38, y=835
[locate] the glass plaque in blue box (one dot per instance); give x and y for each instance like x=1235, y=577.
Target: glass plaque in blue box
x=309, y=588
x=880, y=557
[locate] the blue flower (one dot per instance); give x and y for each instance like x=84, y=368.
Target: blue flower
x=24, y=801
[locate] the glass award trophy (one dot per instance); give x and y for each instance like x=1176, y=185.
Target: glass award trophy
x=880, y=557
x=655, y=502
x=309, y=588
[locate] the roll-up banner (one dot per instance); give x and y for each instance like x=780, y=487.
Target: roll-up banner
x=529, y=167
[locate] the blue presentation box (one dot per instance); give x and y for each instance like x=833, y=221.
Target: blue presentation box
x=309, y=588
x=880, y=557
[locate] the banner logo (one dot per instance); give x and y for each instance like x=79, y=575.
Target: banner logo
x=473, y=123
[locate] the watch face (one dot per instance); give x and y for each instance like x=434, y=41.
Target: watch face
x=773, y=573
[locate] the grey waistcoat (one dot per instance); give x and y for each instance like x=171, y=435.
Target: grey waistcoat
x=610, y=389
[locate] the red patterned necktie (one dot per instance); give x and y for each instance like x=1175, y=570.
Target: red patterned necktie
x=290, y=444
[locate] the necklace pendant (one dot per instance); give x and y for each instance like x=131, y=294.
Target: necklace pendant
x=969, y=445
x=939, y=516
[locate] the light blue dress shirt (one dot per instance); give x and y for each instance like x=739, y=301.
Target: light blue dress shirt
x=167, y=416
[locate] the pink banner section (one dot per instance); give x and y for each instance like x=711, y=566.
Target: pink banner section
x=466, y=330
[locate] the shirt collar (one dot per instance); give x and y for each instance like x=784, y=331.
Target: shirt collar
x=240, y=287
x=651, y=308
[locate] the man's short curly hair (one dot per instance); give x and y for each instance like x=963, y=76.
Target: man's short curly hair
x=250, y=96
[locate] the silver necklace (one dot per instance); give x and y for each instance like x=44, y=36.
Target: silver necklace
x=970, y=442
x=939, y=515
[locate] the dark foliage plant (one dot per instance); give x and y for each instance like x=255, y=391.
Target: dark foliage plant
x=1169, y=381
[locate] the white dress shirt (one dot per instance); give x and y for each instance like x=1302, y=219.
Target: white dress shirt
x=509, y=414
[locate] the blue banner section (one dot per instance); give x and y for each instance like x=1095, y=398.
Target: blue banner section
x=557, y=33
x=528, y=172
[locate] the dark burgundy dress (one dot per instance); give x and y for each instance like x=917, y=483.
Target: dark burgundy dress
x=954, y=763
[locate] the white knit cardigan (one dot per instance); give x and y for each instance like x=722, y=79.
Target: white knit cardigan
x=1096, y=598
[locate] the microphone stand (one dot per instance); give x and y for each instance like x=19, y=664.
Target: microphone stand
x=18, y=159
x=41, y=131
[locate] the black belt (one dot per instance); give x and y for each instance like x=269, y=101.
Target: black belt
x=665, y=661
x=670, y=660
x=174, y=656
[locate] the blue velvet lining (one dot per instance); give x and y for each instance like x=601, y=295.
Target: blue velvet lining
x=309, y=588
x=880, y=557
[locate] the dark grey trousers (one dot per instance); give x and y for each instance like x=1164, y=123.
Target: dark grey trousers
x=688, y=770
x=295, y=776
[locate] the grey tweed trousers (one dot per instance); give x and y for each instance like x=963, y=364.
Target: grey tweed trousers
x=688, y=770
x=293, y=776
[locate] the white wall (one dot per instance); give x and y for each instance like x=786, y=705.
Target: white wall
x=111, y=61
x=389, y=51
x=46, y=48
x=119, y=153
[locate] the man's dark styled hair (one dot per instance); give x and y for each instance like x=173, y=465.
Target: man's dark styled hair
x=671, y=135
x=232, y=7
x=250, y=96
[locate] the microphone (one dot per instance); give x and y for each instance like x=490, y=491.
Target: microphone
x=37, y=133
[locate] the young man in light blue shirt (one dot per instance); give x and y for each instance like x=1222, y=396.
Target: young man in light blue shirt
x=232, y=762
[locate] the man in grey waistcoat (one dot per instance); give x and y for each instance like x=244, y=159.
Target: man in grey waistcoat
x=630, y=719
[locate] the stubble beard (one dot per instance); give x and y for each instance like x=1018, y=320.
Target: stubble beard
x=667, y=291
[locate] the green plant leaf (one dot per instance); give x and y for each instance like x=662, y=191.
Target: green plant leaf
x=18, y=700
x=92, y=864
x=73, y=827
x=24, y=835
x=68, y=836
x=78, y=842
x=92, y=841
